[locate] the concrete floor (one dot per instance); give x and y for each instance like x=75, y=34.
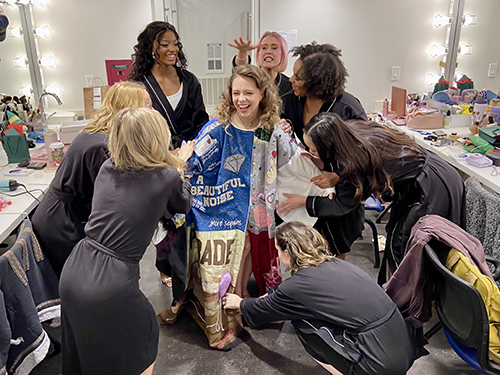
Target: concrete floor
x=183, y=348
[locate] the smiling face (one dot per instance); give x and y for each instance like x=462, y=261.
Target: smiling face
x=246, y=98
x=269, y=53
x=296, y=80
x=167, y=49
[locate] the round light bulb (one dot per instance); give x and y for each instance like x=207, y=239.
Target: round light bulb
x=15, y=32
x=21, y=62
x=436, y=50
x=469, y=19
x=39, y=3
x=432, y=79
x=48, y=61
x=464, y=49
x=42, y=31
x=441, y=20
x=26, y=90
x=54, y=88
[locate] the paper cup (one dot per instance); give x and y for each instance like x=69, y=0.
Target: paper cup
x=57, y=152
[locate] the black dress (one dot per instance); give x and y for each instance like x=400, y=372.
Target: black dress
x=341, y=219
x=341, y=316
x=60, y=217
x=109, y=326
x=346, y=106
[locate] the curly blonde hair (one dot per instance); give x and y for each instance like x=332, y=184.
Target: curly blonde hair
x=269, y=106
x=305, y=245
x=121, y=95
x=140, y=139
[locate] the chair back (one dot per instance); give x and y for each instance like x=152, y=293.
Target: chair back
x=459, y=305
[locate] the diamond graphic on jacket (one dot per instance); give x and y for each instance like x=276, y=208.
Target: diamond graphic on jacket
x=234, y=163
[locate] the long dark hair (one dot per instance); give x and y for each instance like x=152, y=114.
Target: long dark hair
x=143, y=59
x=322, y=70
x=360, y=148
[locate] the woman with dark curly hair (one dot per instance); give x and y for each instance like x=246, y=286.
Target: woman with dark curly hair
x=318, y=82
x=160, y=63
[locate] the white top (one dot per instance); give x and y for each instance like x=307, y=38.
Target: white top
x=176, y=98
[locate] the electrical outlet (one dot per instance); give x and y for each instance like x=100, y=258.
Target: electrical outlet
x=492, y=70
x=395, y=73
x=89, y=80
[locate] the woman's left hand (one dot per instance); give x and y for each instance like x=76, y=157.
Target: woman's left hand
x=292, y=203
x=231, y=301
x=287, y=128
x=186, y=150
x=326, y=180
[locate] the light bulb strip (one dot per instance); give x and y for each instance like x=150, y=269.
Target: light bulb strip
x=36, y=3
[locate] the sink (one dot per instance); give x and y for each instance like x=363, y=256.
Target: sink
x=60, y=115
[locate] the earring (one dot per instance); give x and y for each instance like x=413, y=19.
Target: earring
x=154, y=56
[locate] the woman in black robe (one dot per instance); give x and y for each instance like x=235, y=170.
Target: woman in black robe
x=389, y=161
x=160, y=63
x=344, y=320
x=60, y=217
x=318, y=83
x=108, y=325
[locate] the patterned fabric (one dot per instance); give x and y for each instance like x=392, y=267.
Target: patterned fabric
x=28, y=297
x=482, y=216
x=234, y=190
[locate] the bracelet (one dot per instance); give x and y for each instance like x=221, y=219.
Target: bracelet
x=242, y=58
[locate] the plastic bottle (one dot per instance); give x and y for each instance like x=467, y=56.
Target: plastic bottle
x=385, y=108
x=447, y=120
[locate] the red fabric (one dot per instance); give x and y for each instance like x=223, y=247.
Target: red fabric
x=265, y=263
x=17, y=127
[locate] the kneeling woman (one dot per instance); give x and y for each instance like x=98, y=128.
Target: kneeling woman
x=108, y=325
x=341, y=316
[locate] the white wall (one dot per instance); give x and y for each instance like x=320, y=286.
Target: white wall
x=375, y=35
x=84, y=34
x=204, y=21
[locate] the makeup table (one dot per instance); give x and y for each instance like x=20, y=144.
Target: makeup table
x=446, y=152
x=22, y=205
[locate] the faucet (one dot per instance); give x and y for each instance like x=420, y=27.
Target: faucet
x=44, y=118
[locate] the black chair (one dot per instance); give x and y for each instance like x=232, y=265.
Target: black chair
x=461, y=312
